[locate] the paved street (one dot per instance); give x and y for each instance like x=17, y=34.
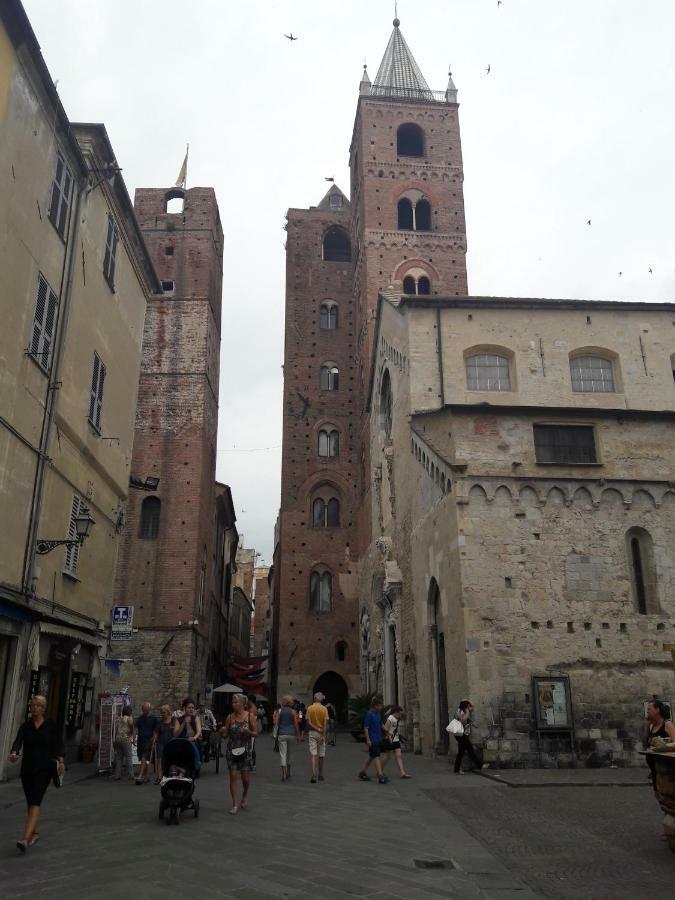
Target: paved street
x=344, y=838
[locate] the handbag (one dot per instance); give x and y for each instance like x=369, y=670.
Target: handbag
x=455, y=727
x=57, y=778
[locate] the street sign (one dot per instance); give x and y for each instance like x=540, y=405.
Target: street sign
x=122, y=622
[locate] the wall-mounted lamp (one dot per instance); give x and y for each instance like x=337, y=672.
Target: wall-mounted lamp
x=83, y=525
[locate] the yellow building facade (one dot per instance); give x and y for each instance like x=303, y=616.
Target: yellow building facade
x=74, y=278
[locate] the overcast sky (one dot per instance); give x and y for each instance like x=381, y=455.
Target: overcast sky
x=575, y=121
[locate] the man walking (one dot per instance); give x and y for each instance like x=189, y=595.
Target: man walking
x=372, y=729
x=317, y=720
x=146, y=735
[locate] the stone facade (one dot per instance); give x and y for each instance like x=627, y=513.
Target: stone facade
x=491, y=565
x=261, y=631
x=167, y=562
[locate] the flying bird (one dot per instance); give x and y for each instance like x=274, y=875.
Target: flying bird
x=651, y=271
x=499, y=2
x=620, y=274
x=589, y=222
x=487, y=71
x=291, y=36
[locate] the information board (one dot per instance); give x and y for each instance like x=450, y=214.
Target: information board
x=552, y=703
x=122, y=623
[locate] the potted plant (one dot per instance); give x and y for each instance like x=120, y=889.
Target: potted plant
x=88, y=751
x=358, y=707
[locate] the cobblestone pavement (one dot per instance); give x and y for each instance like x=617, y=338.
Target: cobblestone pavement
x=342, y=838
x=569, y=843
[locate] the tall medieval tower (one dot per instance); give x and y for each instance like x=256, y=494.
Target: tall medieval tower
x=164, y=565
x=403, y=231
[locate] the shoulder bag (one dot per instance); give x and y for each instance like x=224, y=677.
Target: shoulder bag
x=455, y=727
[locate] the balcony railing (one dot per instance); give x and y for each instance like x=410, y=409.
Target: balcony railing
x=377, y=90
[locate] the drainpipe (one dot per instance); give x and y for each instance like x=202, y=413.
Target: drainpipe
x=52, y=390
x=439, y=351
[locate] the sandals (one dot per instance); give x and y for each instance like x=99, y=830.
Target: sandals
x=22, y=846
x=234, y=811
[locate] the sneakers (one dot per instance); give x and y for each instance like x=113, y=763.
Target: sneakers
x=383, y=779
x=363, y=776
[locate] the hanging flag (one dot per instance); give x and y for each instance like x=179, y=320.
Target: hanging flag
x=181, y=181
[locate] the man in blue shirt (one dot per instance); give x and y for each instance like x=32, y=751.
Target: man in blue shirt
x=372, y=729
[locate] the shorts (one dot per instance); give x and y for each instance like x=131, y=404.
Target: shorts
x=317, y=744
x=34, y=786
x=374, y=750
x=386, y=746
x=143, y=749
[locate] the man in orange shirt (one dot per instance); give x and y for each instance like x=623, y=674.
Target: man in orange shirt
x=317, y=719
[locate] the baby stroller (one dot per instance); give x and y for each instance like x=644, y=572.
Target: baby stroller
x=177, y=786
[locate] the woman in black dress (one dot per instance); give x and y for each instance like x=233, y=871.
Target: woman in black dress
x=42, y=759
x=239, y=728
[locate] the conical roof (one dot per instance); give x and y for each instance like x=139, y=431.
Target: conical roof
x=398, y=70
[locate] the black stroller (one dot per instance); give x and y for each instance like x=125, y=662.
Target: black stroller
x=178, y=786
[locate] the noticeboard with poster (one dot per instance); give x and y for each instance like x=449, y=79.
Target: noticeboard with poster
x=552, y=704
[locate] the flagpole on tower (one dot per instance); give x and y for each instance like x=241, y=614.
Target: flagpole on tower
x=181, y=181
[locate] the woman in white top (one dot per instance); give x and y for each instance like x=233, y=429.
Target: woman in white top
x=392, y=730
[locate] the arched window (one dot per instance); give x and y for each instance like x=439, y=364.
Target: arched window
x=593, y=374
x=424, y=286
x=326, y=514
x=640, y=549
x=336, y=245
x=321, y=591
x=487, y=372
x=175, y=201
x=329, y=378
x=341, y=651
x=409, y=286
x=423, y=216
x=329, y=442
x=386, y=404
x=328, y=316
x=150, y=511
x=409, y=140
x=405, y=214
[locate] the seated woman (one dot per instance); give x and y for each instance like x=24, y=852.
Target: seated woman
x=189, y=726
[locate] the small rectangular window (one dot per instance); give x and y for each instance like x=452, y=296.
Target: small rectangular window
x=73, y=553
x=96, y=395
x=112, y=237
x=168, y=250
x=335, y=201
x=168, y=287
x=44, y=321
x=59, y=204
x=565, y=444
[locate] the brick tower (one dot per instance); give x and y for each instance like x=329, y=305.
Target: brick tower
x=404, y=232
x=165, y=567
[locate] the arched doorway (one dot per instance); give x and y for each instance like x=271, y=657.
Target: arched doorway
x=440, y=680
x=335, y=688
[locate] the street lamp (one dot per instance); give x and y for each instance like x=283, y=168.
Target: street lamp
x=83, y=525
x=151, y=483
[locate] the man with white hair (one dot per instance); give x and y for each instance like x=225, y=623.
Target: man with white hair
x=317, y=719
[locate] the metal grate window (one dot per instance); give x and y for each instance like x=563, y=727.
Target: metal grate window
x=565, y=444
x=59, y=204
x=72, y=560
x=487, y=372
x=112, y=237
x=593, y=374
x=96, y=394
x=44, y=320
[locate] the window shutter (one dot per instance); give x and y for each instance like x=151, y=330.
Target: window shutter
x=48, y=332
x=38, y=322
x=99, y=393
x=110, y=251
x=93, y=398
x=73, y=553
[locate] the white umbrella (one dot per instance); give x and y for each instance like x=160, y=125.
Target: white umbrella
x=228, y=689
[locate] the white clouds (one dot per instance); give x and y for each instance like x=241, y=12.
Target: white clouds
x=574, y=121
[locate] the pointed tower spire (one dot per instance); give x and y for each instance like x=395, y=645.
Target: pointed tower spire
x=399, y=74
x=365, y=86
x=451, y=92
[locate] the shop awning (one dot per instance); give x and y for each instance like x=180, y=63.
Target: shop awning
x=73, y=633
x=16, y=613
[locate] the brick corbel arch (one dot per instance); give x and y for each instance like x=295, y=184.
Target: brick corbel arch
x=403, y=268
x=400, y=187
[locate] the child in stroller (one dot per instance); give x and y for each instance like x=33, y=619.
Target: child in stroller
x=178, y=785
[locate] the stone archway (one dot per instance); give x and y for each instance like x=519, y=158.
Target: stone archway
x=335, y=688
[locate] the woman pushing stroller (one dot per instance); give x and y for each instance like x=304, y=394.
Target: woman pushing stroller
x=239, y=728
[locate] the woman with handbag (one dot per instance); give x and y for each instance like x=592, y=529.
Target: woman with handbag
x=122, y=745
x=42, y=762
x=392, y=728
x=286, y=728
x=239, y=729
x=462, y=735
